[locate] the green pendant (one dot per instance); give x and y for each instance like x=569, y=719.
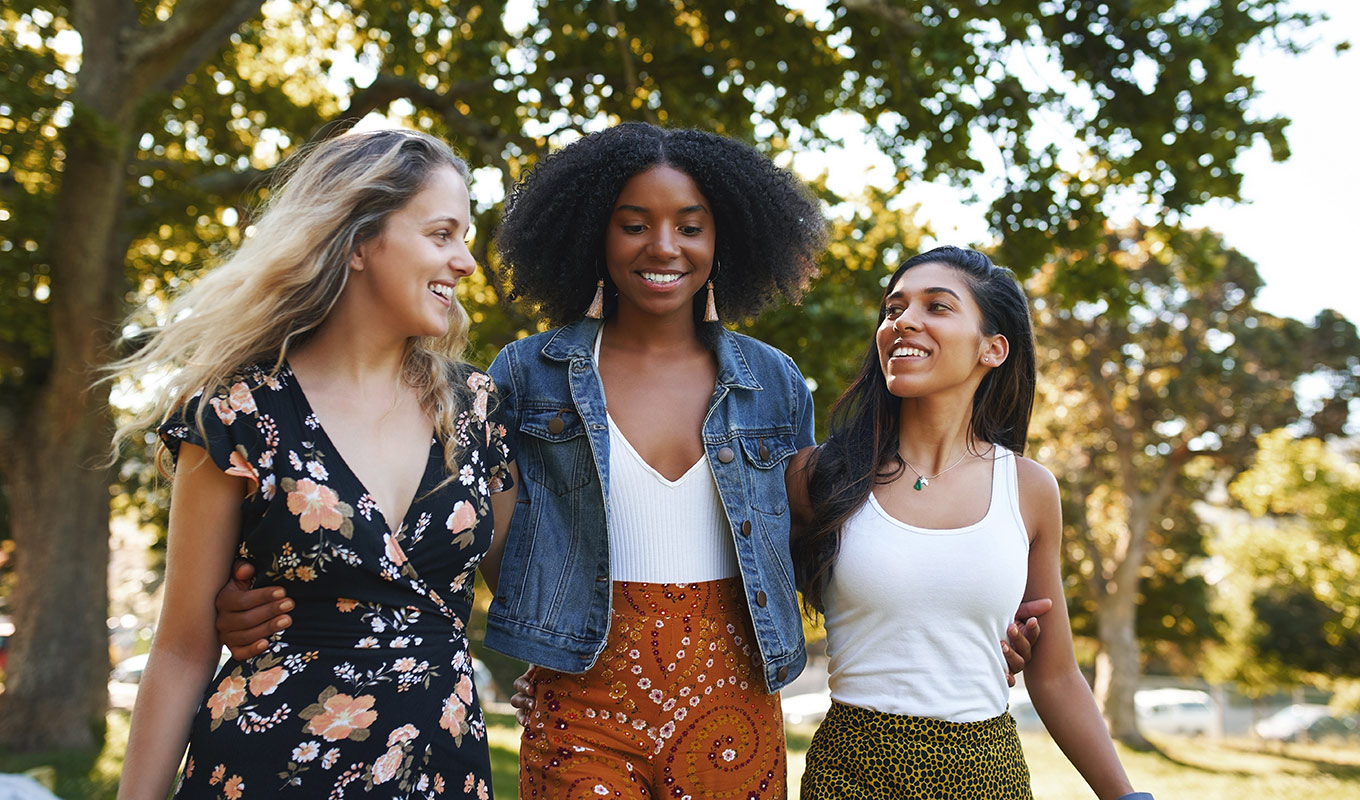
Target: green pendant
x=920, y=484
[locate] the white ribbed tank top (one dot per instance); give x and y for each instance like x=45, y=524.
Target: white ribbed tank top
x=915, y=617
x=664, y=531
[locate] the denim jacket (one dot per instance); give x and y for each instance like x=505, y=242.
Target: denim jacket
x=552, y=605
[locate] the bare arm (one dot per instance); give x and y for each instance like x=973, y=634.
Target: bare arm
x=502, y=508
x=1060, y=693
x=204, y=524
x=796, y=485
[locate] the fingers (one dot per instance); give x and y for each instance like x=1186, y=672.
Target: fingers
x=1016, y=649
x=523, y=700
x=246, y=618
x=1034, y=608
x=243, y=573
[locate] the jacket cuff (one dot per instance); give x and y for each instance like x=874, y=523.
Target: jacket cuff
x=1137, y=796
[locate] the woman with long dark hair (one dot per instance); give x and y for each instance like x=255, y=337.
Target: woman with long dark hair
x=918, y=528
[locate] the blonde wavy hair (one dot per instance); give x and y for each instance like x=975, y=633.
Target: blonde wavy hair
x=280, y=285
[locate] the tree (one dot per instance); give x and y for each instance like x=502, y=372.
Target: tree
x=134, y=135
x=1292, y=571
x=1150, y=395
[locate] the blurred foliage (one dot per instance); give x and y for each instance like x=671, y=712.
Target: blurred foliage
x=1155, y=393
x=154, y=126
x=1292, y=568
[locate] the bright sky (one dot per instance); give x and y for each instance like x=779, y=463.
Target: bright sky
x=1296, y=214
x=1292, y=216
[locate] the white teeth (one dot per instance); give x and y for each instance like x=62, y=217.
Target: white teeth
x=443, y=290
x=661, y=277
x=909, y=351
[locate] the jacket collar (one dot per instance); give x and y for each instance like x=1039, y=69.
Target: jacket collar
x=576, y=340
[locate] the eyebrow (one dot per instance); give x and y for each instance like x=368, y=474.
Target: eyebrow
x=931, y=290
x=454, y=221
x=645, y=210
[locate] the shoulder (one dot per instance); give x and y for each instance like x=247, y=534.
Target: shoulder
x=1040, y=499
x=1034, y=476
x=763, y=357
x=249, y=392
x=796, y=483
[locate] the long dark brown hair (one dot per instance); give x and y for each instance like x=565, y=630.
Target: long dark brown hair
x=861, y=450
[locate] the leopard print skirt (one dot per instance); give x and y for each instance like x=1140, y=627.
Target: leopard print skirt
x=858, y=754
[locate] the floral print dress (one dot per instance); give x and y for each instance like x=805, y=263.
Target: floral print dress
x=369, y=693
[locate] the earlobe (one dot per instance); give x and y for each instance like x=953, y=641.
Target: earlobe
x=356, y=260
x=995, y=350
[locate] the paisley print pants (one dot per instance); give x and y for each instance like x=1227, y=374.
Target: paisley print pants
x=858, y=754
x=672, y=708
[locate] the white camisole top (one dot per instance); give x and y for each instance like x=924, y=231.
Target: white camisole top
x=664, y=531
x=915, y=617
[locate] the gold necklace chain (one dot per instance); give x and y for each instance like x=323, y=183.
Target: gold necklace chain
x=923, y=480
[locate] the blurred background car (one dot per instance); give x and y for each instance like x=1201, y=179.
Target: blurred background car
x=1183, y=712
x=1306, y=722
x=810, y=707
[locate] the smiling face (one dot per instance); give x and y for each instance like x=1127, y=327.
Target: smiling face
x=410, y=269
x=931, y=338
x=659, y=243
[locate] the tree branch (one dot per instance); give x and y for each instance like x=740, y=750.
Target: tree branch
x=165, y=54
x=889, y=13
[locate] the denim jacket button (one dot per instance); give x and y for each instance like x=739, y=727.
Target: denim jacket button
x=726, y=455
x=783, y=673
x=760, y=599
x=746, y=527
x=765, y=456
x=556, y=425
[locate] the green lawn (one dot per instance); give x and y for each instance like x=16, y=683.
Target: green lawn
x=1184, y=769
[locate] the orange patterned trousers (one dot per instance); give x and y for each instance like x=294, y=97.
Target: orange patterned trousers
x=673, y=708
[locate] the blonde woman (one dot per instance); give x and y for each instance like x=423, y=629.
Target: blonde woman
x=323, y=426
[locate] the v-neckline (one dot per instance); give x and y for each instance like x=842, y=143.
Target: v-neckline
x=305, y=406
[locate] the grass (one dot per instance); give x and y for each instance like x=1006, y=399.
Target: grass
x=1181, y=768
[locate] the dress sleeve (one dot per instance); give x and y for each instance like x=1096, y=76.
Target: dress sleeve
x=500, y=444
x=228, y=432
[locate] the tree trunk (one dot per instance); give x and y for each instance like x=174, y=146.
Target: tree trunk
x=56, y=691
x=1117, y=664
x=1117, y=667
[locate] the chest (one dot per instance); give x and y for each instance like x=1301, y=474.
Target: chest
x=387, y=449
x=660, y=408
x=977, y=572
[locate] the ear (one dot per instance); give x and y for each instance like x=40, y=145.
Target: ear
x=356, y=259
x=994, y=350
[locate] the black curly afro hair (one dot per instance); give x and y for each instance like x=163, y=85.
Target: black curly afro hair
x=770, y=230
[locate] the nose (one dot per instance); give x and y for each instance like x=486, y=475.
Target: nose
x=906, y=321
x=462, y=262
x=663, y=244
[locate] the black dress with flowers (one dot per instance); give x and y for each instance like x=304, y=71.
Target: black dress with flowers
x=369, y=693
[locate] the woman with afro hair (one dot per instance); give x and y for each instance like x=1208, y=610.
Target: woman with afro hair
x=647, y=570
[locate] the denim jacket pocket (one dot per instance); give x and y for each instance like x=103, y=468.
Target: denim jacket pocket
x=769, y=454
x=554, y=451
